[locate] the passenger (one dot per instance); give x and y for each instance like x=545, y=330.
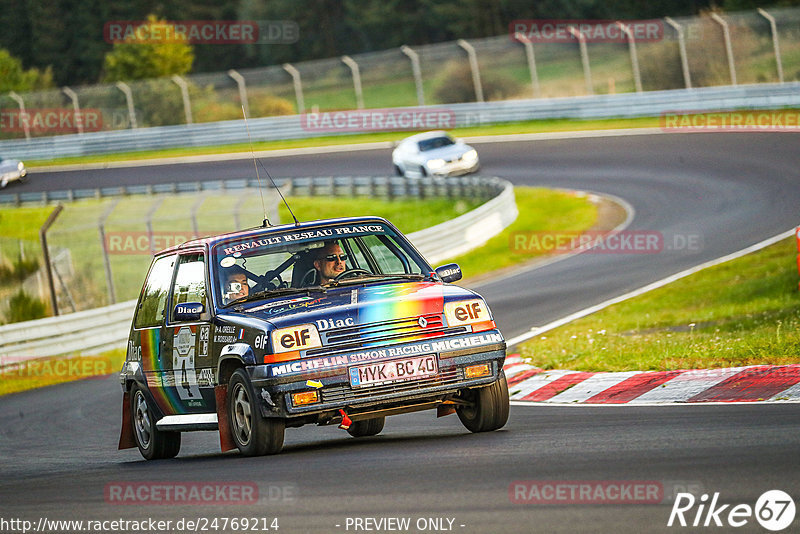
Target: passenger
x=236, y=286
x=330, y=262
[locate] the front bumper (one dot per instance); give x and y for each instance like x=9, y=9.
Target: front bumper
x=456, y=168
x=336, y=392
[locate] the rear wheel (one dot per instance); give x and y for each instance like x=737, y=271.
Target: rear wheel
x=253, y=434
x=488, y=408
x=153, y=443
x=366, y=427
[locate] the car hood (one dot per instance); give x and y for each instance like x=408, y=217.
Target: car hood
x=446, y=153
x=359, y=305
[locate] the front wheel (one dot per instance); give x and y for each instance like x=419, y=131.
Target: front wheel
x=253, y=434
x=488, y=407
x=154, y=444
x=366, y=427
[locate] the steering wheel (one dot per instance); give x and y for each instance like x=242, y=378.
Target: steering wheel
x=266, y=284
x=349, y=273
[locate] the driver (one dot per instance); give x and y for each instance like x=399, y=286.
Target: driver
x=236, y=286
x=330, y=262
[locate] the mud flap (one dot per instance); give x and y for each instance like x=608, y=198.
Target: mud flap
x=126, y=439
x=226, y=442
x=445, y=409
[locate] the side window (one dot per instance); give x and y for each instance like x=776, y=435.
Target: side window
x=190, y=282
x=386, y=253
x=151, y=308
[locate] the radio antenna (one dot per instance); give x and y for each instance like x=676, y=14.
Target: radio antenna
x=265, y=223
x=278, y=189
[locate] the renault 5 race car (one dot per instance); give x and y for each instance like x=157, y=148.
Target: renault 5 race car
x=328, y=322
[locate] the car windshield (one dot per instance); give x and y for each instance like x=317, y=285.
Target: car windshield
x=434, y=143
x=303, y=260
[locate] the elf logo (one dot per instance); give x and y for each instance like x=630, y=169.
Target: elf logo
x=466, y=312
x=295, y=338
x=774, y=510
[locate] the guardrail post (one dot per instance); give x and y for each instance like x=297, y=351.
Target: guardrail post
x=416, y=71
x=687, y=77
x=149, y=222
x=195, y=208
x=473, y=65
x=775, y=45
x=637, y=79
x=187, y=105
x=239, y=79
x=72, y=95
x=298, y=87
x=23, y=117
x=726, y=34
x=126, y=90
x=587, y=71
x=46, y=256
x=356, y=72
x=101, y=227
x=531, y=57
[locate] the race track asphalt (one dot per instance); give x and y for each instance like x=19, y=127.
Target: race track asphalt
x=58, y=445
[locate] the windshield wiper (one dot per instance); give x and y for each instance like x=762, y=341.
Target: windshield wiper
x=267, y=293
x=378, y=277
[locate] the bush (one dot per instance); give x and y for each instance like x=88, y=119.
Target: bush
x=23, y=307
x=18, y=271
x=455, y=85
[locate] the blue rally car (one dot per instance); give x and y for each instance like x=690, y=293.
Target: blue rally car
x=327, y=322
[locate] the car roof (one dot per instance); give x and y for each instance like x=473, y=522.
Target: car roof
x=210, y=241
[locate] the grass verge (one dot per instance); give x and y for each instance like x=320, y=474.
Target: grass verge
x=743, y=312
x=58, y=369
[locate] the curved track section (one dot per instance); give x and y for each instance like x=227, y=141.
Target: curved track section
x=58, y=445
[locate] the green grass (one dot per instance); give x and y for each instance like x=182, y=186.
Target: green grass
x=57, y=370
x=539, y=210
x=743, y=312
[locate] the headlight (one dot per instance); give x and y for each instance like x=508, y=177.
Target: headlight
x=20, y=166
x=471, y=155
x=292, y=338
x=436, y=163
x=466, y=312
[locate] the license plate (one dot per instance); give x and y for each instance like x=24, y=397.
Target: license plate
x=393, y=371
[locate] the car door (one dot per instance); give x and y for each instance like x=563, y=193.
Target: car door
x=187, y=341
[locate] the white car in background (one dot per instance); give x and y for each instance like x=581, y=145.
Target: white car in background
x=434, y=154
x=11, y=170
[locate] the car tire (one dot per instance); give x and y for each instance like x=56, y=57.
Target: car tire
x=154, y=444
x=423, y=172
x=488, y=408
x=397, y=170
x=253, y=434
x=366, y=427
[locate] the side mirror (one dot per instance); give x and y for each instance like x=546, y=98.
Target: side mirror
x=449, y=273
x=188, y=311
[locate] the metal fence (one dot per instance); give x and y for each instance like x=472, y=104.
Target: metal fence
x=96, y=330
x=710, y=50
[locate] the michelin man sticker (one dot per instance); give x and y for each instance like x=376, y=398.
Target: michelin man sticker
x=183, y=370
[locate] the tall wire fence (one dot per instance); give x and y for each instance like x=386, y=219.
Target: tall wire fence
x=709, y=50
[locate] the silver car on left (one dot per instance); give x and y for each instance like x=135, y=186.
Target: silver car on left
x=11, y=170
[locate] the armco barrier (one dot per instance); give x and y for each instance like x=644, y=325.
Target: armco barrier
x=652, y=103
x=94, y=331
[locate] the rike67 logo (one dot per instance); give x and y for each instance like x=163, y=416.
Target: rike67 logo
x=774, y=510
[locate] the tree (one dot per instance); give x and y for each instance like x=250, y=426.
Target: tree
x=131, y=60
x=13, y=77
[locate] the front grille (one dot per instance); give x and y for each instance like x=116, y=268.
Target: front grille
x=346, y=393
x=395, y=330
